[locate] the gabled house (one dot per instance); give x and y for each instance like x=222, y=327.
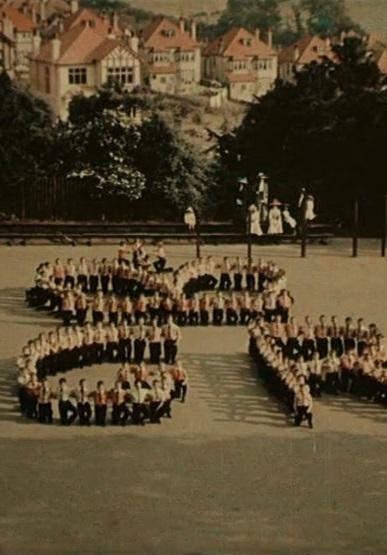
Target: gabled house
x=296, y=56
x=17, y=31
x=80, y=61
x=241, y=61
x=171, y=56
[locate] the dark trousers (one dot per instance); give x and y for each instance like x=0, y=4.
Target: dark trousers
x=180, y=390
x=182, y=318
x=93, y=281
x=315, y=383
x=238, y=282
x=231, y=317
x=120, y=414
x=155, y=411
x=112, y=351
x=139, y=350
x=160, y=264
x=170, y=351
x=204, y=317
x=31, y=406
x=45, y=413
x=218, y=316
x=84, y=412
x=250, y=282
x=303, y=414
x=113, y=318
x=66, y=408
x=140, y=413
x=125, y=350
x=225, y=282
x=322, y=346
x=193, y=317
x=245, y=316
x=69, y=280
x=81, y=316
x=105, y=283
x=332, y=382
x=66, y=317
x=155, y=352
x=100, y=415
x=82, y=281
x=97, y=316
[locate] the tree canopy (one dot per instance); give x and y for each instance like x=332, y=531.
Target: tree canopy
x=25, y=123
x=326, y=132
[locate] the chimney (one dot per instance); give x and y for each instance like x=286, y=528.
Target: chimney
x=36, y=43
x=55, y=49
x=181, y=25
x=296, y=53
x=193, y=29
x=74, y=6
x=42, y=10
x=133, y=43
x=270, y=37
x=114, y=21
x=6, y=26
x=33, y=13
x=258, y=34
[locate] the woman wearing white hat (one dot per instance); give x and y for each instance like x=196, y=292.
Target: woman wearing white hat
x=275, y=219
x=255, y=221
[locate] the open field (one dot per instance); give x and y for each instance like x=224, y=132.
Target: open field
x=228, y=474
x=371, y=14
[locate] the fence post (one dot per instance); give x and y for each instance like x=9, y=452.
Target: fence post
x=384, y=227
x=355, y=236
x=198, y=238
x=249, y=238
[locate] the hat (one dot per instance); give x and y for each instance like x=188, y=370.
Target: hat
x=242, y=180
x=252, y=208
x=189, y=209
x=275, y=202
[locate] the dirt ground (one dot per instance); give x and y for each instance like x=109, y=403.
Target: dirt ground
x=228, y=474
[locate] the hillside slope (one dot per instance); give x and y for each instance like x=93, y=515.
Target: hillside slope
x=371, y=14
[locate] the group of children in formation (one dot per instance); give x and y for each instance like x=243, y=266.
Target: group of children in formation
x=202, y=292
x=149, y=378
x=299, y=362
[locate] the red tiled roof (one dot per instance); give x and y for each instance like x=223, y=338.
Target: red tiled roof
x=381, y=59
x=21, y=22
x=163, y=34
x=80, y=45
x=238, y=43
x=100, y=25
x=308, y=51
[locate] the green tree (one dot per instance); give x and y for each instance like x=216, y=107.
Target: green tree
x=25, y=131
x=324, y=132
x=176, y=174
x=251, y=14
x=327, y=17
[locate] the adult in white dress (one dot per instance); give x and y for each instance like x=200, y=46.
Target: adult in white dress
x=255, y=221
x=190, y=218
x=275, y=219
